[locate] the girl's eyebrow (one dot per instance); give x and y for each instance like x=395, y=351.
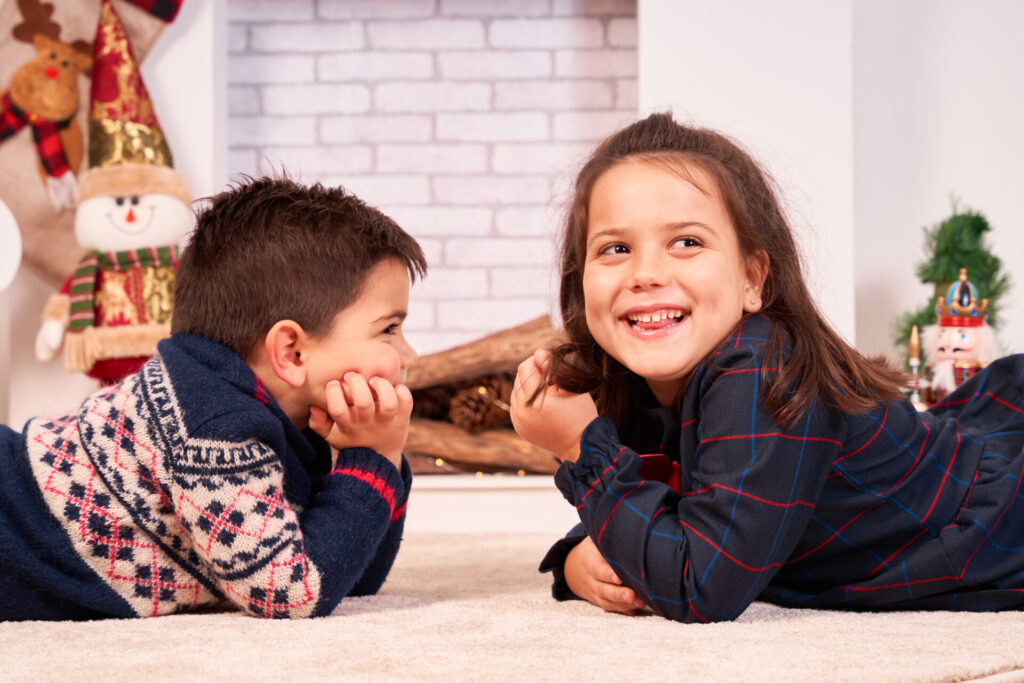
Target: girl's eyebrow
x=617, y=232
x=601, y=234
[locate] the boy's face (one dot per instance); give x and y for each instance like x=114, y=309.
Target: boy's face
x=366, y=337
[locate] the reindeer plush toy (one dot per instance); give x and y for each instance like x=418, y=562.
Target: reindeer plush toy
x=43, y=96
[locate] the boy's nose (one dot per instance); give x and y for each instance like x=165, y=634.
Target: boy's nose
x=407, y=354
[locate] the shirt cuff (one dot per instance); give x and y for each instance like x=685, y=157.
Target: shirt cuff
x=554, y=562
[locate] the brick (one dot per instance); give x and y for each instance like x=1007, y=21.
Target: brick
x=244, y=160
x=494, y=64
x=374, y=65
x=375, y=9
x=487, y=127
x=270, y=69
x=376, y=128
x=243, y=100
x=626, y=95
x=591, y=125
x=549, y=33
x=529, y=221
x=267, y=130
x=491, y=190
x=379, y=189
x=238, y=38
x=622, y=33
x=595, y=63
x=421, y=315
x=489, y=315
x=494, y=251
x=453, y=282
x=317, y=161
x=432, y=97
x=431, y=158
x=315, y=99
x=442, y=220
x=307, y=37
x=530, y=282
x=425, y=341
x=546, y=158
x=495, y=8
x=430, y=34
x=562, y=94
x=269, y=10
x=594, y=7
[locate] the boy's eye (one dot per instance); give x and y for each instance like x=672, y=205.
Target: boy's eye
x=391, y=329
x=616, y=248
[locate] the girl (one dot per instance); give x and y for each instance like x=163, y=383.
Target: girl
x=780, y=464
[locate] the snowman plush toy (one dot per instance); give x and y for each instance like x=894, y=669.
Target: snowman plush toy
x=133, y=212
x=117, y=305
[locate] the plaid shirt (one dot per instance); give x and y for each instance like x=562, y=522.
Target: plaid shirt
x=888, y=509
x=45, y=133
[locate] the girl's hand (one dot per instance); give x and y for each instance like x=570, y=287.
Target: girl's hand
x=369, y=414
x=557, y=418
x=591, y=577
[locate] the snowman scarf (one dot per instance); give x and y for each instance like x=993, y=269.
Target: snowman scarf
x=85, y=279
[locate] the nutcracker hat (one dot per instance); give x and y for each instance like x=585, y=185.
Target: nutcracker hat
x=961, y=307
x=128, y=154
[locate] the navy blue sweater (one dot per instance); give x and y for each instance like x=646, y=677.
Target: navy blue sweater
x=891, y=509
x=186, y=486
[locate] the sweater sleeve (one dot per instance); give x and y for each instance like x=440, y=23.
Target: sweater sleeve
x=266, y=557
x=379, y=567
x=748, y=492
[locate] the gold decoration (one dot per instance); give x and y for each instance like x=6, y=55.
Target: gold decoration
x=113, y=142
x=158, y=293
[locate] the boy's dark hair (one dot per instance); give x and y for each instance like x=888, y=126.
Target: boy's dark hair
x=819, y=365
x=270, y=249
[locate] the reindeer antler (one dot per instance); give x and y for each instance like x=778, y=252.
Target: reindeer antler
x=37, y=20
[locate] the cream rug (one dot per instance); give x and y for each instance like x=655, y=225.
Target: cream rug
x=473, y=607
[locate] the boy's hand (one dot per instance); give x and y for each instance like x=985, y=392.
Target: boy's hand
x=590, y=577
x=365, y=413
x=557, y=418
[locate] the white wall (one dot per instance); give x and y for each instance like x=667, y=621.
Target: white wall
x=777, y=77
x=184, y=76
x=938, y=110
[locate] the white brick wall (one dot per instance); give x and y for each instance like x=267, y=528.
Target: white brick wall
x=465, y=120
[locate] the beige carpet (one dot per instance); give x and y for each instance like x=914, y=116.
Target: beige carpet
x=473, y=607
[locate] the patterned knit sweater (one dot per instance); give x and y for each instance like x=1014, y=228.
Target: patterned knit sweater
x=186, y=486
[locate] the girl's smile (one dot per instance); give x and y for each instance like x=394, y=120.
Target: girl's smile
x=664, y=279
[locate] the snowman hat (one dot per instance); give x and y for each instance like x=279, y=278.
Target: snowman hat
x=128, y=154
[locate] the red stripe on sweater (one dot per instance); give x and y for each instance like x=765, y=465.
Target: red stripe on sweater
x=375, y=482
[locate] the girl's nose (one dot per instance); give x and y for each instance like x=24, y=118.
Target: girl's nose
x=648, y=271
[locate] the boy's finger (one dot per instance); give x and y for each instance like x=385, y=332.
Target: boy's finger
x=387, y=400
x=404, y=396
x=319, y=421
x=337, y=404
x=360, y=395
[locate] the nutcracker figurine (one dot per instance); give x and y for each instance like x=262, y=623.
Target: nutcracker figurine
x=962, y=343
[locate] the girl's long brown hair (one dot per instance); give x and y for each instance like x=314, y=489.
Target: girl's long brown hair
x=814, y=363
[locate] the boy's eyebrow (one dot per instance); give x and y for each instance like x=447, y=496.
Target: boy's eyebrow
x=397, y=313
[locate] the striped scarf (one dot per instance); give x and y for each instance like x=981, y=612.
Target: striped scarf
x=45, y=133
x=85, y=279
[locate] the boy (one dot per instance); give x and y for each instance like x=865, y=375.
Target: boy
x=208, y=476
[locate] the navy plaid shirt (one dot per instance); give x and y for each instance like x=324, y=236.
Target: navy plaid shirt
x=889, y=509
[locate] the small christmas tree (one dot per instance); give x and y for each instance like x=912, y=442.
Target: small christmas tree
x=958, y=242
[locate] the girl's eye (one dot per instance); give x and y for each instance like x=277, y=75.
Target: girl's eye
x=686, y=242
x=616, y=248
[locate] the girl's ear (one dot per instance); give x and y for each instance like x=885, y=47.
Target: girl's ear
x=757, y=272
x=285, y=344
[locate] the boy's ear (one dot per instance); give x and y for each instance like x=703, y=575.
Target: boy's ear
x=285, y=344
x=757, y=272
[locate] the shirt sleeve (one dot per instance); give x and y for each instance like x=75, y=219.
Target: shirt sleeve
x=748, y=492
x=267, y=557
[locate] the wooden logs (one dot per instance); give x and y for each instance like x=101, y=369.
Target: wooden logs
x=493, y=450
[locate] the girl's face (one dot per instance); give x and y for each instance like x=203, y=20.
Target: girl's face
x=664, y=280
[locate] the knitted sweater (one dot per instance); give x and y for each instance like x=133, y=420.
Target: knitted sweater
x=186, y=486
x=890, y=509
